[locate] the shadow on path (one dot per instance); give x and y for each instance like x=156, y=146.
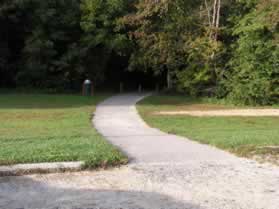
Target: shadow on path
x=27, y=193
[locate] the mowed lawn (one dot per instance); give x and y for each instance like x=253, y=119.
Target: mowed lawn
x=245, y=136
x=52, y=128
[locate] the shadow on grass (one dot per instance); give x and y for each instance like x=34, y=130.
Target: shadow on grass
x=25, y=193
x=48, y=101
x=129, y=99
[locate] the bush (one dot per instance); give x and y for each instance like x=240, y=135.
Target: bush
x=255, y=63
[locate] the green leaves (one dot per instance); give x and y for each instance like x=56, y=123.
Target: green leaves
x=182, y=40
x=254, y=75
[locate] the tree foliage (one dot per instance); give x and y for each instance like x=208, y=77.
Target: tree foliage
x=226, y=48
x=59, y=42
x=254, y=75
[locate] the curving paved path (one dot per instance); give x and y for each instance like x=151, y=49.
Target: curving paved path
x=166, y=172
x=117, y=119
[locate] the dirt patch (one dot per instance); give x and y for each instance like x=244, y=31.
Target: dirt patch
x=234, y=112
x=203, y=107
x=267, y=158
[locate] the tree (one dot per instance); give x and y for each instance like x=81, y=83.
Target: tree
x=173, y=37
x=157, y=27
x=255, y=67
x=102, y=35
x=226, y=48
x=48, y=49
x=14, y=23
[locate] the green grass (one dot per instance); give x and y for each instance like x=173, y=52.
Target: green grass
x=241, y=135
x=52, y=128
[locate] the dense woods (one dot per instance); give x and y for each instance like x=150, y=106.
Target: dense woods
x=223, y=48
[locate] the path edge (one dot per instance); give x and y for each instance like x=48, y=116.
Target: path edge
x=41, y=168
x=134, y=107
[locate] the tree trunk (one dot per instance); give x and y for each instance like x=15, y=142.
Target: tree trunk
x=208, y=13
x=214, y=13
x=169, y=80
x=217, y=20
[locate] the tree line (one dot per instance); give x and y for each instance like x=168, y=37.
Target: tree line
x=225, y=48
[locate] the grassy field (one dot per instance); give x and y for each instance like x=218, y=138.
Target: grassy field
x=52, y=128
x=245, y=136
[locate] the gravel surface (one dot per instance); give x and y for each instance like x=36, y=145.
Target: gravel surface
x=166, y=172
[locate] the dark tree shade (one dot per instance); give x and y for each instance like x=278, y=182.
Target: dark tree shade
x=225, y=48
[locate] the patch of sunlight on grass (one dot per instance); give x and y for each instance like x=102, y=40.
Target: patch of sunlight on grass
x=52, y=128
x=241, y=135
